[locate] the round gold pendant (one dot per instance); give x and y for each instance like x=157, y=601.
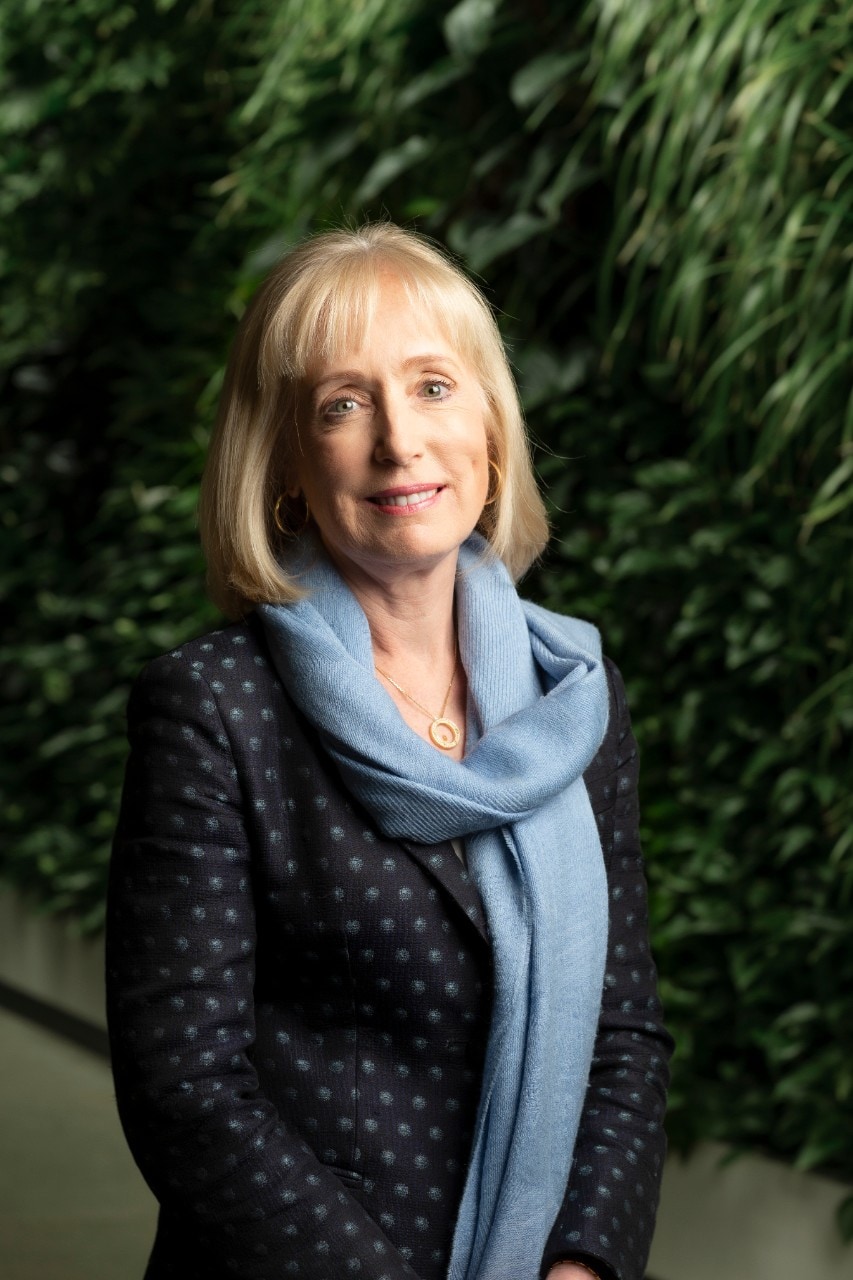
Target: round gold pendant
x=445, y=734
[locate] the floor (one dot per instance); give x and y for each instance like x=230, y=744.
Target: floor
x=72, y=1203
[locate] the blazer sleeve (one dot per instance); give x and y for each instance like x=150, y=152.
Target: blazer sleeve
x=251, y=1197
x=608, y=1213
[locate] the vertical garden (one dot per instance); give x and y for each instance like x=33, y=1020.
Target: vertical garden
x=659, y=197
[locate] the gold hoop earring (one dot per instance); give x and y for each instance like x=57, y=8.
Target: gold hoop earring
x=498, y=490
x=284, y=529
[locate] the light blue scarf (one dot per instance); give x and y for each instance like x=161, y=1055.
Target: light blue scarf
x=533, y=849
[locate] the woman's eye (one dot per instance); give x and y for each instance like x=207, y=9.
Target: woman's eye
x=435, y=390
x=338, y=408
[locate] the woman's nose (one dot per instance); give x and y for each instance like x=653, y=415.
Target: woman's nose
x=399, y=435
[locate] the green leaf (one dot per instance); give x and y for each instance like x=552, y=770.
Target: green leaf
x=468, y=26
x=485, y=244
x=389, y=166
x=537, y=78
x=439, y=76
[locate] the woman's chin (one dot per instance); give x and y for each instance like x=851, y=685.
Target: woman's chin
x=403, y=550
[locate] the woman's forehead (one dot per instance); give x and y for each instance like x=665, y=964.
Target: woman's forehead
x=388, y=313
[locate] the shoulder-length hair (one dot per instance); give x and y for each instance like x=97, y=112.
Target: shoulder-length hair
x=319, y=299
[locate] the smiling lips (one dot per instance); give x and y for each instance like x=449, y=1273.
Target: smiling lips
x=406, y=499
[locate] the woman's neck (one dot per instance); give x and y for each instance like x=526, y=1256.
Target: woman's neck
x=410, y=614
x=415, y=648
x=419, y=633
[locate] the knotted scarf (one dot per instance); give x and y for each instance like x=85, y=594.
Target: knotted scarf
x=538, y=707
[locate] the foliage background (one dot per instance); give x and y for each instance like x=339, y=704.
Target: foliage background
x=659, y=197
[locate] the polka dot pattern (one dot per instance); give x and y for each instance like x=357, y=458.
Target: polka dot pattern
x=298, y=1008
x=607, y=1217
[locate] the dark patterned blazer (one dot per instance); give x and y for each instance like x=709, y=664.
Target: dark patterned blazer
x=298, y=1007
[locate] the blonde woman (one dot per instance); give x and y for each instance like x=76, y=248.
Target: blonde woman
x=380, y=996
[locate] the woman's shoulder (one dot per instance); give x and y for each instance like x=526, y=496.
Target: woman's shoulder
x=222, y=666
x=231, y=646
x=618, y=746
x=585, y=635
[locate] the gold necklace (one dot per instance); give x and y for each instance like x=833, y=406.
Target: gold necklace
x=445, y=733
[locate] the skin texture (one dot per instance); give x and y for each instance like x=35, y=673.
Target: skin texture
x=399, y=411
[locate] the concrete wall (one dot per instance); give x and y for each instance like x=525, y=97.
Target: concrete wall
x=44, y=958
x=754, y=1219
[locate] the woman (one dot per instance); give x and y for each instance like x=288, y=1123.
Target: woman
x=373, y=832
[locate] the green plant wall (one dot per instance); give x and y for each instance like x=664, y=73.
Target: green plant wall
x=658, y=196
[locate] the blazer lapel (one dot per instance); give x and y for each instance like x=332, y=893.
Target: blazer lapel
x=438, y=860
x=441, y=862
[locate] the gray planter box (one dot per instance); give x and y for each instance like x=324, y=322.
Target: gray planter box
x=43, y=957
x=752, y=1219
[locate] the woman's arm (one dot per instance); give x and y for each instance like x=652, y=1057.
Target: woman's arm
x=607, y=1217
x=249, y=1197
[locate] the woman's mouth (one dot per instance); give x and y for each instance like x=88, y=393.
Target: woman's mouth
x=405, y=499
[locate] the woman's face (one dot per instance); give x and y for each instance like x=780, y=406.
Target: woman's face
x=394, y=450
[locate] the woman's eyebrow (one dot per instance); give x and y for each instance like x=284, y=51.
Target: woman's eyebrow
x=411, y=362
x=430, y=357
x=340, y=375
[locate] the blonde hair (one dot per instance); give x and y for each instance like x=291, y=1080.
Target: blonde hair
x=320, y=298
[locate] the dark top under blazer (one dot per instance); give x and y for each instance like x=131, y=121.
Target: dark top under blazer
x=298, y=1007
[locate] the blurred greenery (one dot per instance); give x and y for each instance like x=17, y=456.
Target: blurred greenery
x=659, y=195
